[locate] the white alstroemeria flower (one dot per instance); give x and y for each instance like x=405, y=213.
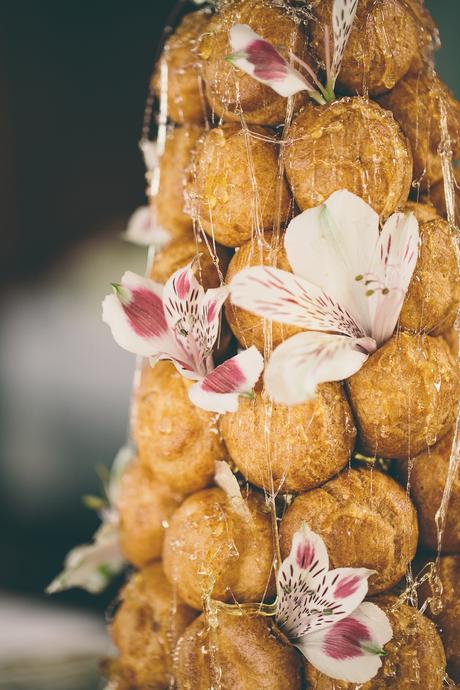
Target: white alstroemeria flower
x=92, y=566
x=180, y=322
x=257, y=57
x=143, y=230
x=347, y=288
x=322, y=613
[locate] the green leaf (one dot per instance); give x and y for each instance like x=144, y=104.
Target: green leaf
x=373, y=649
x=94, y=502
x=105, y=570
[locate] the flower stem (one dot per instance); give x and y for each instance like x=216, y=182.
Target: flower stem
x=310, y=71
x=316, y=96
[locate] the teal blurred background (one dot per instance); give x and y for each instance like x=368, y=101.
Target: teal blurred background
x=446, y=13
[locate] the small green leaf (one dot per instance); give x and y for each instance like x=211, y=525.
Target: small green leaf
x=93, y=502
x=105, y=570
x=364, y=458
x=104, y=475
x=373, y=649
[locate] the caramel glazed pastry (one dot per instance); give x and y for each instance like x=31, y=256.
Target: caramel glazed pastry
x=239, y=162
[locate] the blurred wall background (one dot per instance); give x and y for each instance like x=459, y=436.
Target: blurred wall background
x=73, y=80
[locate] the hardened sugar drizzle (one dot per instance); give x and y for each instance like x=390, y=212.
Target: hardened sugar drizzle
x=259, y=242
x=445, y=152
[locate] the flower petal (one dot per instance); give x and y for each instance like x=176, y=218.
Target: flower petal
x=258, y=58
x=227, y=481
x=182, y=299
x=393, y=264
x=331, y=245
x=209, y=322
x=91, y=566
x=350, y=649
x=343, y=15
x=219, y=391
x=334, y=596
x=307, y=561
x=310, y=597
x=142, y=230
x=307, y=359
x=136, y=318
x=281, y=296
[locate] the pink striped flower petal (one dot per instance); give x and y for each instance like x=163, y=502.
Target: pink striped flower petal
x=332, y=244
x=310, y=596
x=193, y=315
x=136, y=318
x=330, y=598
x=350, y=649
x=182, y=298
x=300, y=363
x=208, y=324
x=391, y=270
x=219, y=390
x=343, y=16
x=284, y=297
x=258, y=58
x=307, y=563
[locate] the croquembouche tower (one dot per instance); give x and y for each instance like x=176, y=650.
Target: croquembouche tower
x=287, y=509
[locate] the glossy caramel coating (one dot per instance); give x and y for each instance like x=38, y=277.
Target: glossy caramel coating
x=209, y=270
x=169, y=202
x=429, y=38
x=384, y=42
x=452, y=339
x=433, y=298
x=428, y=476
x=297, y=447
x=249, y=328
x=183, y=251
x=145, y=507
x=415, y=104
x=405, y=396
x=423, y=210
x=228, y=89
x=236, y=188
x=186, y=102
x=212, y=548
x=178, y=441
x=448, y=619
x=415, y=658
x=349, y=144
x=366, y=521
x=249, y=654
x=145, y=629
